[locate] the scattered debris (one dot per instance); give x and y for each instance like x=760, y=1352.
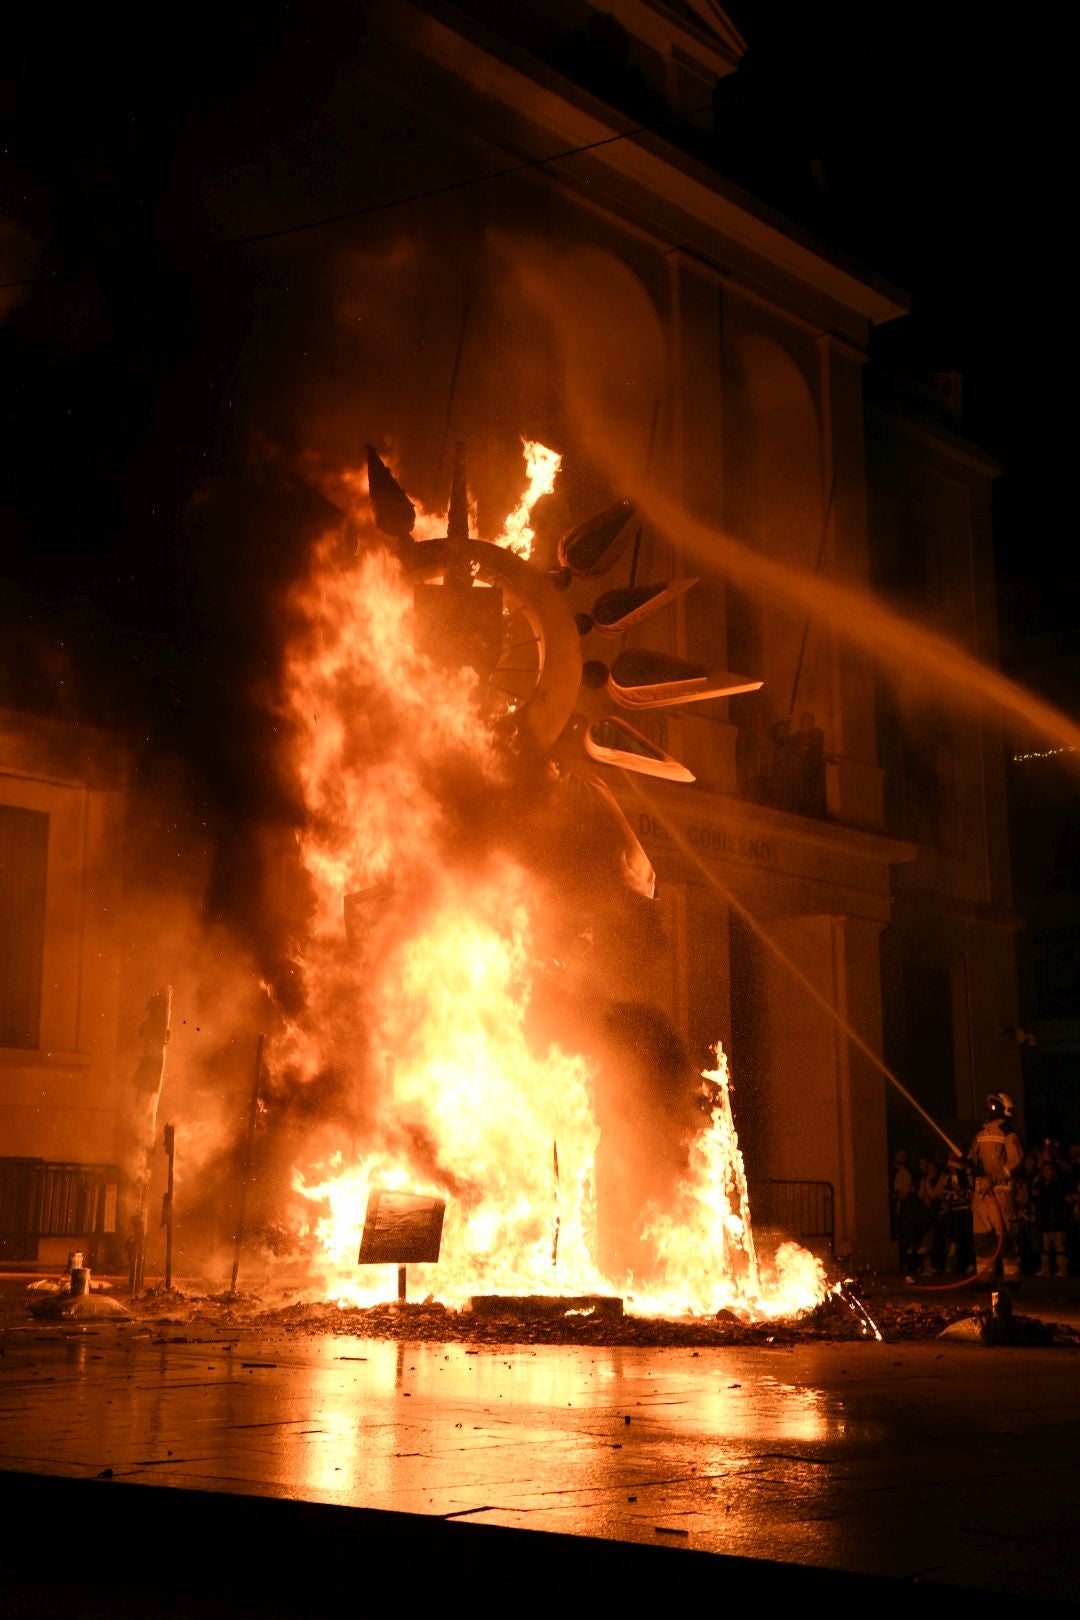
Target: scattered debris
x=62, y=1285
x=842, y=1309
x=545, y=1308
x=72, y=1295
x=998, y=1324
x=843, y=1316
x=65, y=1306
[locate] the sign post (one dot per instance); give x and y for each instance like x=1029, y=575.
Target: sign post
x=401, y=1229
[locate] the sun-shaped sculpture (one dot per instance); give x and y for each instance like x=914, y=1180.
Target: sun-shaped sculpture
x=482, y=605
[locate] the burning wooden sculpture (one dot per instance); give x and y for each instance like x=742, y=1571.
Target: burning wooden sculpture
x=482, y=606
x=482, y=1007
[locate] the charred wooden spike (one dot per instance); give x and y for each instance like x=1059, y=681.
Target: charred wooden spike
x=555, y=1238
x=636, y=867
x=615, y=612
x=155, y=1032
x=457, y=523
x=395, y=514
x=614, y=742
x=641, y=679
x=637, y=670
x=597, y=544
x=249, y=1158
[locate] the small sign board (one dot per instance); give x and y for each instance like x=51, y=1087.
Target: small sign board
x=401, y=1229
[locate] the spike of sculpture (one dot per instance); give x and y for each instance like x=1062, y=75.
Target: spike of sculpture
x=597, y=544
x=394, y=513
x=612, y=741
x=616, y=612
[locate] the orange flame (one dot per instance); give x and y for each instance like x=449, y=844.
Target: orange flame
x=542, y=466
x=420, y=1003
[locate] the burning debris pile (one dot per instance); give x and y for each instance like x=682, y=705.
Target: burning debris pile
x=850, y=1311
x=464, y=1019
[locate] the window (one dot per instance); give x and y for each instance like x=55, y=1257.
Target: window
x=1057, y=971
x=24, y=839
x=928, y=1060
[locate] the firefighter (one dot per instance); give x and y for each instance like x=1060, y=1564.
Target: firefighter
x=995, y=1154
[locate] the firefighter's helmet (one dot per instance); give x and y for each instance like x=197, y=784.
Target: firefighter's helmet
x=999, y=1105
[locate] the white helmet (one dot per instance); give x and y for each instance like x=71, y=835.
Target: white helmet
x=999, y=1105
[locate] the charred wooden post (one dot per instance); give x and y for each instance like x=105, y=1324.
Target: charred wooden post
x=457, y=517
x=167, y=1206
x=249, y=1158
x=558, y=1215
x=149, y=1079
x=459, y=575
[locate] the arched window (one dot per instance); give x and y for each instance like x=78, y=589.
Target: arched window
x=24, y=838
x=775, y=503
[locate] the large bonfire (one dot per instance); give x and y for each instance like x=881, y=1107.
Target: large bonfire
x=439, y=936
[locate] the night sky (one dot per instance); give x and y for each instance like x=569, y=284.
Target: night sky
x=940, y=139
x=926, y=148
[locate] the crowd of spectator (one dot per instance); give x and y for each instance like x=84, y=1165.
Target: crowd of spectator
x=785, y=765
x=931, y=1212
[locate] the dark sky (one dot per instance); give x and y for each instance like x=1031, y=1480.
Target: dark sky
x=925, y=145
x=940, y=134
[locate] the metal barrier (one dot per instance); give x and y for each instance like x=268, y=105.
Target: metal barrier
x=41, y=1198
x=802, y=1210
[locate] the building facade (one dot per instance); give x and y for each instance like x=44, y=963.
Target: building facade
x=834, y=885
x=857, y=920
x=61, y=889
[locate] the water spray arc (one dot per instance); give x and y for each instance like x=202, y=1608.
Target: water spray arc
x=863, y=620
x=854, y=613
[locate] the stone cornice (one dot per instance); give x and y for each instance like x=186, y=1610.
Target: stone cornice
x=936, y=435
x=63, y=753
x=699, y=30
x=665, y=181
x=767, y=821
x=931, y=902
x=778, y=863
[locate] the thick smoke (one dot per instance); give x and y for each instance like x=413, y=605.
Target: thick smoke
x=419, y=807
x=177, y=634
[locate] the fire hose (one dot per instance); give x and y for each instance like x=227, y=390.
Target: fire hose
x=985, y=1270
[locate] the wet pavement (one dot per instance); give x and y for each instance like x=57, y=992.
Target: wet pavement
x=314, y=1463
